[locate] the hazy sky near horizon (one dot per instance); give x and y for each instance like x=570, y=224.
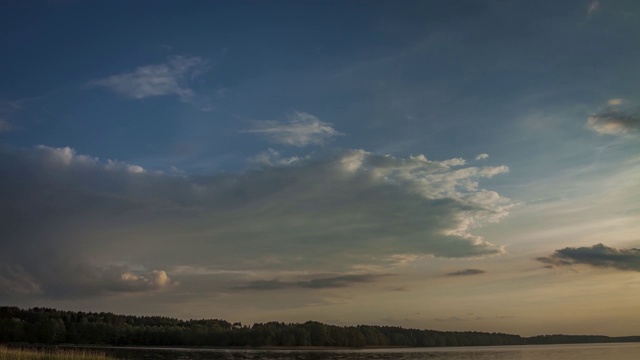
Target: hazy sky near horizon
x=452, y=165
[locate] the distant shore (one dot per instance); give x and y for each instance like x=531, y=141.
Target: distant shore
x=273, y=348
x=66, y=328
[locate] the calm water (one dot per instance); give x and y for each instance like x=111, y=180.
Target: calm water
x=629, y=351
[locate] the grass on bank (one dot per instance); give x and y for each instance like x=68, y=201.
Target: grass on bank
x=50, y=354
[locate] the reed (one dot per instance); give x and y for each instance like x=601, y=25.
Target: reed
x=51, y=354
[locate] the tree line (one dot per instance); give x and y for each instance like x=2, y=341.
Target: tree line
x=51, y=326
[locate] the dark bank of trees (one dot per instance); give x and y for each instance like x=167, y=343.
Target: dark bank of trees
x=50, y=326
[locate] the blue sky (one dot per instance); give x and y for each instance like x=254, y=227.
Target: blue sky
x=341, y=161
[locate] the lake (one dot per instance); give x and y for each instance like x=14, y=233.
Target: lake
x=624, y=351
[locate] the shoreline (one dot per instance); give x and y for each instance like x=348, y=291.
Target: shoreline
x=298, y=348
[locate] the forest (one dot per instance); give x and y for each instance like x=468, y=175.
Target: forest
x=50, y=326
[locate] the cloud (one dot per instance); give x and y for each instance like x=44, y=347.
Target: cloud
x=77, y=225
x=614, y=122
x=300, y=130
x=67, y=156
x=597, y=256
x=170, y=78
x=614, y=102
x=156, y=279
x=482, y=156
x=88, y=279
x=466, y=272
x=73, y=278
x=317, y=283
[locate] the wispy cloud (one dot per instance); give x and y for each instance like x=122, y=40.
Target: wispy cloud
x=592, y=8
x=450, y=318
x=466, y=272
x=8, y=108
x=271, y=157
x=614, y=102
x=170, y=78
x=5, y=126
x=301, y=129
x=482, y=156
x=471, y=317
x=597, y=256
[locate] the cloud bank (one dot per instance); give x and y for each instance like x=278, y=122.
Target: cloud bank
x=76, y=225
x=597, y=256
x=170, y=78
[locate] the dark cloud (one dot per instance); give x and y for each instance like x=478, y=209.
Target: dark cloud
x=85, y=279
x=77, y=279
x=597, y=255
x=75, y=225
x=14, y=280
x=614, y=122
x=318, y=283
x=466, y=272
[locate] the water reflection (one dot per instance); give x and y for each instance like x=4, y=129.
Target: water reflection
x=559, y=352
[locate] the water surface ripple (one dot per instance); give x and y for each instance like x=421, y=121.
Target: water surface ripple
x=627, y=351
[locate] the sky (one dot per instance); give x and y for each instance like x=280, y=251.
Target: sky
x=448, y=165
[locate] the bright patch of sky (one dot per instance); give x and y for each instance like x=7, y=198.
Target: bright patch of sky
x=298, y=160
